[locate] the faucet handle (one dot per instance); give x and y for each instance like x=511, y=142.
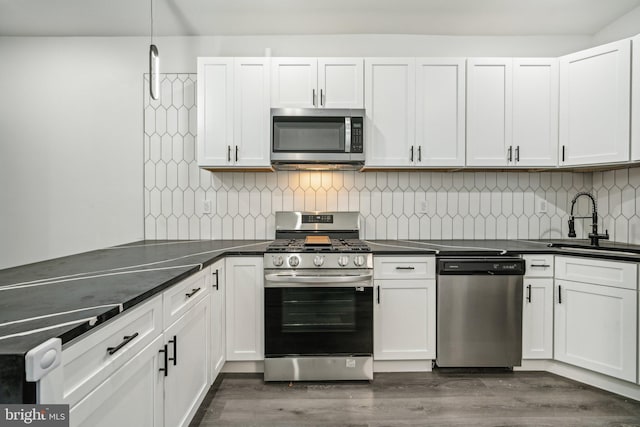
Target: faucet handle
x=572, y=228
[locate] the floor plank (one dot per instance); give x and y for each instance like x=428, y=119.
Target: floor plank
x=439, y=398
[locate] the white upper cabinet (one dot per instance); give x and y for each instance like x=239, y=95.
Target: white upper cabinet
x=215, y=111
x=233, y=112
x=317, y=83
x=512, y=116
x=489, y=96
x=535, y=112
x=635, y=100
x=440, y=112
x=251, y=115
x=595, y=87
x=390, y=112
x=341, y=82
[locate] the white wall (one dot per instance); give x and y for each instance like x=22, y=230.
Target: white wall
x=71, y=123
x=627, y=25
x=70, y=145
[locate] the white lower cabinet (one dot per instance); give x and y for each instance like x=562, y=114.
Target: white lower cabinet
x=132, y=396
x=244, y=308
x=187, y=377
x=404, y=308
x=405, y=320
x=537, y=319
x=218, y=321
x=595, y=328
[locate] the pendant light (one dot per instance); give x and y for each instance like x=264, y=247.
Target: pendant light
x=154, y=65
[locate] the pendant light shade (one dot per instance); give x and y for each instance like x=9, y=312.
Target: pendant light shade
x=154, y=71
x=154, y=65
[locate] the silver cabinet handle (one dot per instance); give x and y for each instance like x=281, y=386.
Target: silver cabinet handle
x=411, y=158
x=228, y=153
x=313, y=97
x=236, y=153
x=529, y=293
x=517, y=153
x=419, y=153
x=405, y=268
x=321, y=98
x=539, y=265
x=510, y=153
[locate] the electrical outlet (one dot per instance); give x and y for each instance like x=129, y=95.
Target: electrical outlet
x=206, y=206
x=542, y=206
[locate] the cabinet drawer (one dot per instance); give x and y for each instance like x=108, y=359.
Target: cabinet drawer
x=88, y=363
x=179, y=298
x=600, y=272
x=538, y=265
x=417, y=267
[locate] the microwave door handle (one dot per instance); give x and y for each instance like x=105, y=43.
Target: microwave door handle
x=347, y=134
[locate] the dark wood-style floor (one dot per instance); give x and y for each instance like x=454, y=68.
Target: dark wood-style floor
x=439, y=398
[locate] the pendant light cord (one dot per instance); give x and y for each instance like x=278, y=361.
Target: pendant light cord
x=151, y=22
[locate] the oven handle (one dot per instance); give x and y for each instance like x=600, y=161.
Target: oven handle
x=290, y=280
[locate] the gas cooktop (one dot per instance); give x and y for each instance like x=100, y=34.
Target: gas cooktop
x=299, y=245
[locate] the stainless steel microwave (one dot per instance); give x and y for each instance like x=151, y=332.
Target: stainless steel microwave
x=317, y=136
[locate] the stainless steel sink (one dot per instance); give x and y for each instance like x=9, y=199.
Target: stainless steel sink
x=595, y=249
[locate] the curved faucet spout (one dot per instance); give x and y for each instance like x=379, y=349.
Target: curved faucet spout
x=594, y=236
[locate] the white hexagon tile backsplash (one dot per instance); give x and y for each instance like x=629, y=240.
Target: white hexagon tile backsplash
x=459, y=205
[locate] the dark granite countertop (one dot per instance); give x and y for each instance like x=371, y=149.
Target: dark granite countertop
x=66, y=297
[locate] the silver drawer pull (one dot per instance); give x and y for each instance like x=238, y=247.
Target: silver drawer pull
x=192, y=293
x=540, y=265
x=406, y=268
x=126, y=340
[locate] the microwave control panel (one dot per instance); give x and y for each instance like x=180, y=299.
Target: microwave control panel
x=357, y=129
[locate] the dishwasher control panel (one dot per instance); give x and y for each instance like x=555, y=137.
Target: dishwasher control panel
x=486, y=266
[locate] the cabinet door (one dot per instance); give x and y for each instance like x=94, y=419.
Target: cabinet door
x=218, y=344
x=341, y=82
x=215, y=111
x=635, y=99
x=252, y=99
x=390, y=109
x=595, y=328
x=594, y=104
x=535, y=112
x=405, y=320
x=245, y=308
x=187, y=380
x=440, y=111
x=537, y=319
x=132, y=396
x=489, y=120
x=294, y=83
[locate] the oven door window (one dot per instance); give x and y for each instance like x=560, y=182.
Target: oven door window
x=309, y=134
x=318, y=321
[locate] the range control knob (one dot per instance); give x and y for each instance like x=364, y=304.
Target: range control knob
x=343, y=260
x=358, y=260
x=294, y=261
x=318, y=261
x=278, y=260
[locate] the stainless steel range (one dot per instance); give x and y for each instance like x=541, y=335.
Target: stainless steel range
x=318, y=299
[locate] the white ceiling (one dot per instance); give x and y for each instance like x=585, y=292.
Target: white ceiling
x=255, y=17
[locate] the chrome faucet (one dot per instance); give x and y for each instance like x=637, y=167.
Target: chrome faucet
x=594, y=236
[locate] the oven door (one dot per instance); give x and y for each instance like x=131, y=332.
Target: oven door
x=318, y=315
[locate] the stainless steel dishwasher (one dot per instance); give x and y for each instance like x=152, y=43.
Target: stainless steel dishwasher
x=479, y=322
